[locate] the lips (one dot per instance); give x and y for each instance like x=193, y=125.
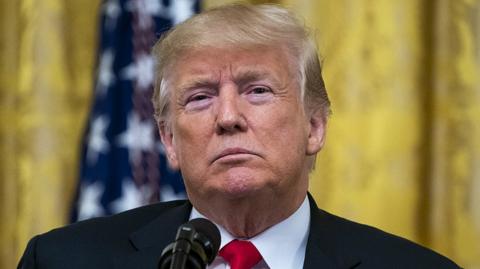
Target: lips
x=232, y=152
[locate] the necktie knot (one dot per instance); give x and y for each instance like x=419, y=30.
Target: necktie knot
x=240, y=254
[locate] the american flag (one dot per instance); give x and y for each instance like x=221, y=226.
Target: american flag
x=123, y=164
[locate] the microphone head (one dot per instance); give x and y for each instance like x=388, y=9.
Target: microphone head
x=208, y=235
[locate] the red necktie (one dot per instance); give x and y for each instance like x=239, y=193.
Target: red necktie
x=240, y=254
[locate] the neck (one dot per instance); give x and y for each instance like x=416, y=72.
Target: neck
x=247, y=217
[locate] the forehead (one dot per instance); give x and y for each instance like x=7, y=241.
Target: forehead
x=223, y=62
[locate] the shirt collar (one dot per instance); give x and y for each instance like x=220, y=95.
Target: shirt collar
x=282, y=245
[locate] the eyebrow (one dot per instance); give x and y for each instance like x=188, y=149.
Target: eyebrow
x=199, y=83
x=251, y=75
x=242, y=78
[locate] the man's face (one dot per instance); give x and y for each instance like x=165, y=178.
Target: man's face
x=237, y=124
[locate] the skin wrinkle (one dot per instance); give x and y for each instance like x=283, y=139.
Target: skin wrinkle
x=245, y=193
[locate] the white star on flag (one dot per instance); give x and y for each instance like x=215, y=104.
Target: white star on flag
x=132, y=196
x=168, y=194
x=112, y=10
x=97, y=140
x=178, y=11
x=105, y=72
x=181, y=10
x=141, y=71
x=137, y=137
x=89, y=201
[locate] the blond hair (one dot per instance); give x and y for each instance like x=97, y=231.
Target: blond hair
x=242, y=25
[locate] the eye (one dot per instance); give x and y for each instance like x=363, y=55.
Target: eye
x=260, y=90
x=197, y=97
x=259, y=94
x=198, y=101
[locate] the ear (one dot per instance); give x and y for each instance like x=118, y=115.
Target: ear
x=166, y=136
x=316, y=137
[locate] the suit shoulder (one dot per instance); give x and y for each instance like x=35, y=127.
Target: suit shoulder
x=112, y=231
x=99, y=239
x=377, y=248
x=124, y=222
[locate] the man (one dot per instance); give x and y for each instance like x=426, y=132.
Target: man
x=242, y=110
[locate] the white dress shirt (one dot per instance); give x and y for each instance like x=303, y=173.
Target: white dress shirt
x=281, y=246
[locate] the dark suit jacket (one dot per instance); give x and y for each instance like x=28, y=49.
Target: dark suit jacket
x=135, y=239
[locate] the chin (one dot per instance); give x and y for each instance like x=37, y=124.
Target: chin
x=240, y=188
x=239, y=191
x=234, y=184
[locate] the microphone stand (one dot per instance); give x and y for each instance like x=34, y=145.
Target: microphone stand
x=182, y=247
x=196, y=245
x=181, y=254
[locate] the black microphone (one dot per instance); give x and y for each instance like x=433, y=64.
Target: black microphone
x=196, y=245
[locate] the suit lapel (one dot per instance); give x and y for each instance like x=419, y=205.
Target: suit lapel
x=315, y=258
x=323, y=248
x=152, y=238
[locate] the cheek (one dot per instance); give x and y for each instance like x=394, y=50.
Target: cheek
x=181, y=145
x=185, y=131
x=189, y=141
x=287, y=127
x=287, y=135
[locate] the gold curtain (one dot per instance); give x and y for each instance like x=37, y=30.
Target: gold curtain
x=403, y=146
x=455, y=137
x=47, y=53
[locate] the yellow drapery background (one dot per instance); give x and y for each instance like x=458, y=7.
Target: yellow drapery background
x=403, y=144
x=47, y=55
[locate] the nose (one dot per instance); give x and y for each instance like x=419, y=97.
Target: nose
x=230, y=117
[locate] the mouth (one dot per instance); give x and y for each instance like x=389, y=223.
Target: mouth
x=233, y=153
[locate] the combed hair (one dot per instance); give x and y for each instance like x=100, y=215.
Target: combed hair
x=242, y=26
